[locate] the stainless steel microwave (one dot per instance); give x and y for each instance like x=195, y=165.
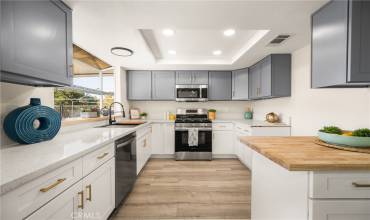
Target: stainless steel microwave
x=191, y=93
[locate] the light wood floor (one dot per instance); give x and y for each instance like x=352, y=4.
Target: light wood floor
x=168, y=189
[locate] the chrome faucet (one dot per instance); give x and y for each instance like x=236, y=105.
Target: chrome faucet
x=111, y=121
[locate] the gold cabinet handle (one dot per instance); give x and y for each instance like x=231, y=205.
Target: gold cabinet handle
x=88, y=187
x=81, y=203
x=59, y=181
x=359, y=185
x=102, y=156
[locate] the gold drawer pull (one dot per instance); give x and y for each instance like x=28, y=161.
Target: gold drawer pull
x=88, y=187
x=59, y=181
x=81, y=203
x=102, y=156
x=361, y=184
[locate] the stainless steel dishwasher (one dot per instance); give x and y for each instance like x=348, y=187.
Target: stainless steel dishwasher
x=125, y=166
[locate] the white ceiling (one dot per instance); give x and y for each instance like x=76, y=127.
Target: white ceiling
x=198, y=25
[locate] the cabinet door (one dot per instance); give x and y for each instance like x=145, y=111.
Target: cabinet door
x=265, y=89
x=184, y=77
x=339, y=209
x=157, y=139
x=254, y=81
x=169, y=138
x=240, y=84
x=36, y=41
x=140, y=157
x=219, y=85
x=223, y=142
x=99, y=191
x=163, y=85
x=67, y=205
x=359, y=70
x=200, y=77
x=329, y=49
x=139, y=85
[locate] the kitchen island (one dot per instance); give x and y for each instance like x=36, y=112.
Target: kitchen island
x=293, y=178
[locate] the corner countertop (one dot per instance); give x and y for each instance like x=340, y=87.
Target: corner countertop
x=302, y=154
x=23, y=163
x=252, y=122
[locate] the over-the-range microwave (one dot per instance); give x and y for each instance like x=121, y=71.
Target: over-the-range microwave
x=191, y=93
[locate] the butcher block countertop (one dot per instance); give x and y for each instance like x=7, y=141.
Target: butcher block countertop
x=302, y=154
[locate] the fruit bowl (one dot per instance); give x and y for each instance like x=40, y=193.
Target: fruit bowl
x=343, y=140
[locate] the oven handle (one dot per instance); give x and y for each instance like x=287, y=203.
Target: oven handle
x=199, y=129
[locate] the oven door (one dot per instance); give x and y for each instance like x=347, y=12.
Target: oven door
x=191, y=93
x=204, y=141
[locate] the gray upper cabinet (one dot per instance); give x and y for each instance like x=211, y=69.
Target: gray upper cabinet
x=163, y=85
x=220, y=84
x=36, y=43
x=340, y=58
x=240, y=84
x=192, y=77
x=270, y=77
x=139, y=85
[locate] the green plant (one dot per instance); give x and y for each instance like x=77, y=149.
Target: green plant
x=211, y=110
x=143, y=114
x=331, y=130
x=362, y=132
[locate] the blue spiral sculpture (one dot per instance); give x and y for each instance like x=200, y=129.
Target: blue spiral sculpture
x=32, y=123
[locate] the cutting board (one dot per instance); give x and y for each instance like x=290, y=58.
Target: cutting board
x=131, y=122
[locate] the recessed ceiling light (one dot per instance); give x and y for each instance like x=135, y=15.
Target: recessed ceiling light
x=229, y=32
x=172, y=52
x=168, y=32
x=121, y=51
x=217, y=52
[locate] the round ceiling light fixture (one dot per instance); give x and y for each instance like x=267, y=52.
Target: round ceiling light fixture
x=168, y=32
x=121, y=51
x=229, y=32
x=217, y=52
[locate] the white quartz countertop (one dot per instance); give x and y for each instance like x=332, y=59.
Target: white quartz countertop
x=23, y=163
x=252, y=123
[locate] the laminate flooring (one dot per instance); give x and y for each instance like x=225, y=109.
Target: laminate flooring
x=168, y=189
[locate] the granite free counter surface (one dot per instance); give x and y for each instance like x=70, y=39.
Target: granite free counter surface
x=302, y=154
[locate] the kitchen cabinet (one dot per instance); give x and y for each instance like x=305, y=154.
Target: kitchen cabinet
x=340, y=56
x=36, y=43
x=223, y=139
x=163, y=85
x=240, y=84
x=139, y=85
x=99, y=191
x=219, y=85
x=143, y=147
x=163, y=139
x=192, y=77
x=270, y=77
x=68, y=205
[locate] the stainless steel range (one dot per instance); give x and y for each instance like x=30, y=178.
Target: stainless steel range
x=193, y=135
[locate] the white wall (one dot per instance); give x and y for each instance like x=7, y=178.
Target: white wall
x=14, y=96
x=225, y=110
x=310, y=109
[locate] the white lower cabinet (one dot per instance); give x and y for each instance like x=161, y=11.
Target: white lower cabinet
x=339, y=209
x=223, y=142
x=67, y=205
x=163, y=138
x=143, y=149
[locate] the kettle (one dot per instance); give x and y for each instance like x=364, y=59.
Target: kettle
x=272, y=117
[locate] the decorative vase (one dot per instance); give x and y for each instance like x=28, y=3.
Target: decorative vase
x=212, y=115
x=248, y=115
x=32, y=123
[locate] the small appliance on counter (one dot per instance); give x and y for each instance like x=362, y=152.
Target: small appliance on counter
x=193, y=135
x=272, y=117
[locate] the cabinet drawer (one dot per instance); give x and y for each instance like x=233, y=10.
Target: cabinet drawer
x=22, y=201
x=222, y=126
x=339, y=209
x=351, y=184
x=97, y=158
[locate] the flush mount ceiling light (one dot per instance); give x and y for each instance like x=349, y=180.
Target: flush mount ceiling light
x=121, y=51
x=172, y=52
x=168, y=32
x=229, y=32
x=217, y=52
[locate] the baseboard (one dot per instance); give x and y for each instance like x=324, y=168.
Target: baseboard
x=163, y=156
x=224, y=156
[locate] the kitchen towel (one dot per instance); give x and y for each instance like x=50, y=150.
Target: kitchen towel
x=193, y=137
x=32, y=123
